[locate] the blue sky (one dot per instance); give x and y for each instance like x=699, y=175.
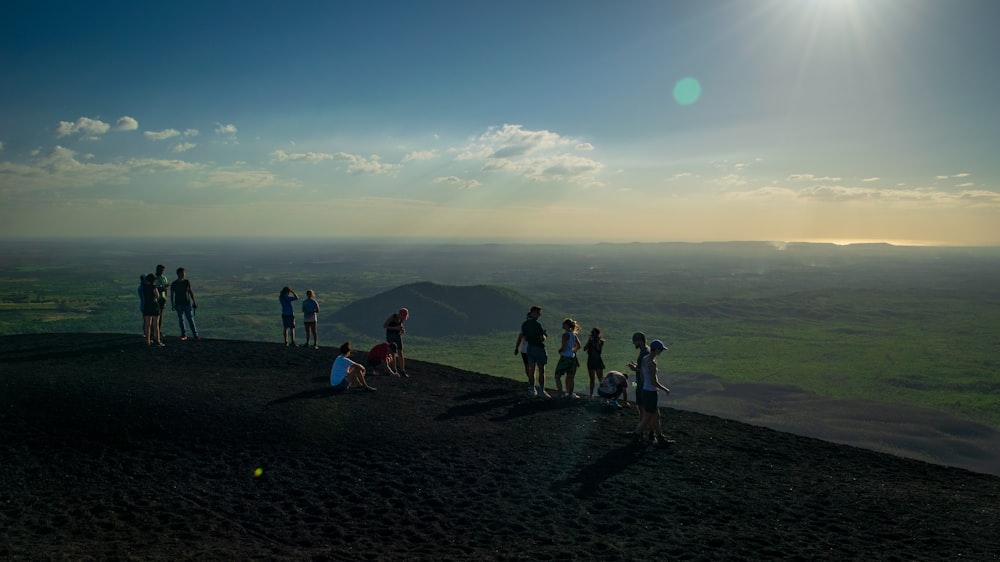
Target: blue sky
x=836, y=120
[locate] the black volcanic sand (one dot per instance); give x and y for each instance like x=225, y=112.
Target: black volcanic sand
x=112, y=451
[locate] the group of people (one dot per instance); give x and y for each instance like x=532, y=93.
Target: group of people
x=384, y=358
x=610, y=387
x=310, y=316
x=154, y=291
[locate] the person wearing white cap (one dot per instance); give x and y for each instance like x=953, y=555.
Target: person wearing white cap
x=651, y=384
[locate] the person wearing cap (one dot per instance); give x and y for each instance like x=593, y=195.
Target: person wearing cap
x=394, y=331
x=613, y=385
x=346, y=374
x=534, y=334
x=381, y=358
x=649, y=396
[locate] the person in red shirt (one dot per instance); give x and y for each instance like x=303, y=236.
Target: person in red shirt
x=382, y=358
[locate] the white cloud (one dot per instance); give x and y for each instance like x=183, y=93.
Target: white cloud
x=246, y=180
x=847, y=194
x=356, y=164
x=61, y=168
x=191, y=132
x=229, y=129
x=966, y=184
x=585, y=146
x=421, y=155
x=811, y=177
x=731, y=180
x=869, y=180
x=183, y=147
x=962, y=175
x=89, y=129
x=161, y=135
x=458, y=182
x=126, y=123
x=536, y=155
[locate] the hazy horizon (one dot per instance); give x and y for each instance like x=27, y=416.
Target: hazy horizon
x=828, y=121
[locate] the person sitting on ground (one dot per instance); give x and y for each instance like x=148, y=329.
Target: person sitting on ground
x=381, y=359
x=346, y=374
x=613, y=385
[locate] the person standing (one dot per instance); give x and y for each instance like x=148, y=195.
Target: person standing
x=639, y=341
x=649, y=397
x=183, y=302
x=162, y=284
x=567, y=358
x=346, y=374
x=534, y=334
x=595, y=363
x=521, y=347
x=394, y=331
x=286, y=297
x=310, y=316
x=150, y=311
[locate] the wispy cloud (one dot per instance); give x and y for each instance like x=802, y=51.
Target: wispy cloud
x=356, y=164
x=847, y=194
x=251, y=180
x=536, y=155
x=869, y=180
x=811, y=177
x=63, y=168
x=421, y=155
x=228, y=129
x=458, y=182
x=161, y=135
x=183, y=147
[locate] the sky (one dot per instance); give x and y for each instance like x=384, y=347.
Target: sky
x=529, y=121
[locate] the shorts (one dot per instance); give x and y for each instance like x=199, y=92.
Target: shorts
x=288, y=321
x=342, y=386
x=152, y=309
x=594, y=362
x=566, y=366
x=395, y=337
x=647, y=400
x=536, y=355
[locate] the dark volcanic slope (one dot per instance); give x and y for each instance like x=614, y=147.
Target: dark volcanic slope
x=111, y=451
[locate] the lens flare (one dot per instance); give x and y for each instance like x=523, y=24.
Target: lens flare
x=687, y=91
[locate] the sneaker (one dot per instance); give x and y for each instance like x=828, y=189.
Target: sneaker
x=664, y=442
x=543, y=394
x=532, y=392
x=160, y=344
x=403, y=374
x=184, y=338
x=315, y=347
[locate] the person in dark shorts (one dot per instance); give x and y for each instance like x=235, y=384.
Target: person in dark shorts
x=381, y=359
x=534, y=334
x=568, y=361
x=595, y=363
x=151, y=309
x=649, y=397
x=521, y=348
x=286, y=297
x=394, y=331
x=162, y=286
x=639, y=341
x=346, y=374
x=613, y=385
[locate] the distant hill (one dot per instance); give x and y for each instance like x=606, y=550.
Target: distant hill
x=438, y=310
